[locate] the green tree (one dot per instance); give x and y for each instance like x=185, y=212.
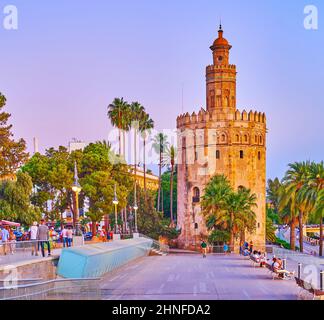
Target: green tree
x=12, y=153
x=146, y=124
x=294, y=180
x=159, y=145
x=227, y=210
x=288, y=214
x=118, y=113
x=165, y=185
x=273, y=193
x=168, y=159
x=15, y=200
x=312, y=193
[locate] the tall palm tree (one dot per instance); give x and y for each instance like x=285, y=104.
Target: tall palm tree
x=240, y=215
x=159, y=145
x=313, y=193
x=294, y=180
x=288, y=214
x=215, y=198
x=273, y=192
x=137, y=112
x=118, y=113
x=169, y=157
x=145, y=126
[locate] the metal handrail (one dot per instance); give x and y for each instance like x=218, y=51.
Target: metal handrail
x=47, y=282
x=36, y=289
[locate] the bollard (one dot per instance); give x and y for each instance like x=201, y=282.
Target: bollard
x=322, y=280
x=284, y=264
x=299, y=270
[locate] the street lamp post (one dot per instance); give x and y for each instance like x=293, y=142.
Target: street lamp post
x=115, y=202
x=135, y=207
x=76, y=188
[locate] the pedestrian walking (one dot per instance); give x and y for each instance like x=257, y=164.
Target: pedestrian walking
x=204, y=248
x=5, y=239
x=64, y=237
x=43, y=237
x=69, y=237
x=225, y=248
x=33, y=230
x=12, y=242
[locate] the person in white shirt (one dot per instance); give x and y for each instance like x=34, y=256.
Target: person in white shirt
x=70, y=236
x=33, y=238
x=65, y=237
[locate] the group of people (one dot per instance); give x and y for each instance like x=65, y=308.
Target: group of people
x=260, y=257
x=246, y=249
x=39, y=236
x=7, y=240
x=276, y=265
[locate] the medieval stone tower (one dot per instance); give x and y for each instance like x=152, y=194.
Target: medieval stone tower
x=219, y=140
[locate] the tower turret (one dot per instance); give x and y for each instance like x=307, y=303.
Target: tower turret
x=221, y=49
x=221, y=78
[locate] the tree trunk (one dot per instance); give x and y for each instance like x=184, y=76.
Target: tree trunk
x=293, y=235
x=94, y=228
x=232, y=231
x=301, y=234
x=171, y=196
x=119, y=139
x=162, y=200
x=144, y=166
x=135, y=160
x=321, y=236
x=159, y=194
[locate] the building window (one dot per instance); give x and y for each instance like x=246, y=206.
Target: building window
x=196, y=155
x=259, y=155
x=261, y=140
x=246, y=138
x=223, y=137
x=217, y=154
x=212, y=101
x=196, y=195
x=237, y=138
x=241, y=154
x=256, y=139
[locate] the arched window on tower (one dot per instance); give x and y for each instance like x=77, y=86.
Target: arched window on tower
x=237, y=138
x=241, y=154
x=196, y=195
x=259, y=155
x=256, y=139
x=223, y=137
x=217, y=154
x=261, y=140
x=245, y=138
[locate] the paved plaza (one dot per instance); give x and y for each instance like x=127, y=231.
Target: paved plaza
x=190, y=277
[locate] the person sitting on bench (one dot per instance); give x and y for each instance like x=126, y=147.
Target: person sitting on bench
x=263, y=259
x=278, y=268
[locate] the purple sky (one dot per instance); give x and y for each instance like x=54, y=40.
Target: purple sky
x=69, y=59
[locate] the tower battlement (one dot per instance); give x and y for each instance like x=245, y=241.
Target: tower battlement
x=204, y=117
x=221, y=67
